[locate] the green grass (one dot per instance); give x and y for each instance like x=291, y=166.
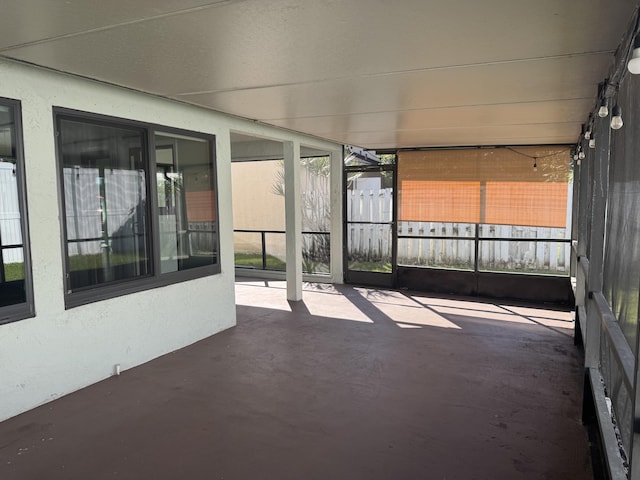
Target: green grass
x=13, y=271
x=529, y=271
x=254, y=260
x=363, y=266
x=94, y=261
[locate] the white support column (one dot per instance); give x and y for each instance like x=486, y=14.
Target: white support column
x=293, y=219
x=337, y=224
x=225, y=227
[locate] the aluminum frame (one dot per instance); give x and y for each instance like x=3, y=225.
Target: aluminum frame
x=155, y=278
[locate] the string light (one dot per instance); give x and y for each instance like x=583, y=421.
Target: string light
x=535, y=159
x=603, y=109
x=634, y=63
x=616, y=118
x=587, y=133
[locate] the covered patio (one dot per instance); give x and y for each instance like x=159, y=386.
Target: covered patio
x=350, y=383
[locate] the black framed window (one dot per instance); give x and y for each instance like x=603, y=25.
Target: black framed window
x=140, y=205
x=186, y=199
x=16, y=294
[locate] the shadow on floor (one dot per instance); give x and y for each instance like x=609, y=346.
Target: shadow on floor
x=350, y=383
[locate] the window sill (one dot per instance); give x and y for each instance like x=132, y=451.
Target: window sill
x=126, y=287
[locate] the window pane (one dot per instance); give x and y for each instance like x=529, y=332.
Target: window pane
x=275, y=246
x=315, y=190
x=436, y=253
x=248, y=249
x=13, y=263
x=369, y=247
x=13, y=287
x=186, y=202
x=524, y=257
x=258, y=195
x=316, y=214
x=621, y=272
x=13, y=277
x=522, y=231
x=105, y=199
x=316, y=248
x=485, y=185
x=370, y=196
x=436, y=229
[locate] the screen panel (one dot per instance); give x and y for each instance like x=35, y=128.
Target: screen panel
x=502, y=186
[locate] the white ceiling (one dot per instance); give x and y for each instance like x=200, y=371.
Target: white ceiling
x=373, y=73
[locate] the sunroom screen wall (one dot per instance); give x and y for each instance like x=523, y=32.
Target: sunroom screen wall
x=485, y=185
x=621, y=271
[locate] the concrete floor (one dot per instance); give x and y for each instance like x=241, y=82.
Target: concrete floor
x=351, y=383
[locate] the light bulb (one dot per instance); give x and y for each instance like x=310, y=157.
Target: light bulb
x=616, y=118
x=581, y=155
x=617, y=123
x=603, y=111
x=634, y=62
x=587, y=135
x=535, y=166
x=575, y=156
x=592, y=143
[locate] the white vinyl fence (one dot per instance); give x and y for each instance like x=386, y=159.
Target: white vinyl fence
x=369, y=241
x=10, y=229
x=125, y=196
x=373, y=241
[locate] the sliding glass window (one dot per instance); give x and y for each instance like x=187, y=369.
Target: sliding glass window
x=186, y=202
x=16, y=298
x=123, y=231
x=105, y=196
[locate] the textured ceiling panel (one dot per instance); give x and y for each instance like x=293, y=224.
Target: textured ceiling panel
x=481, y=135
x=360, y=71
x=515, y=82
x=256, y=43
x=30, y=21
x=495, y=115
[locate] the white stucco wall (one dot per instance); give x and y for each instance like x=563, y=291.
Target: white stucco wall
x=60, y=351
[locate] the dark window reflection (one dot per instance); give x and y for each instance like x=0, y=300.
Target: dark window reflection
x=12, y=253
x=186, y=202
x=105, y=200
